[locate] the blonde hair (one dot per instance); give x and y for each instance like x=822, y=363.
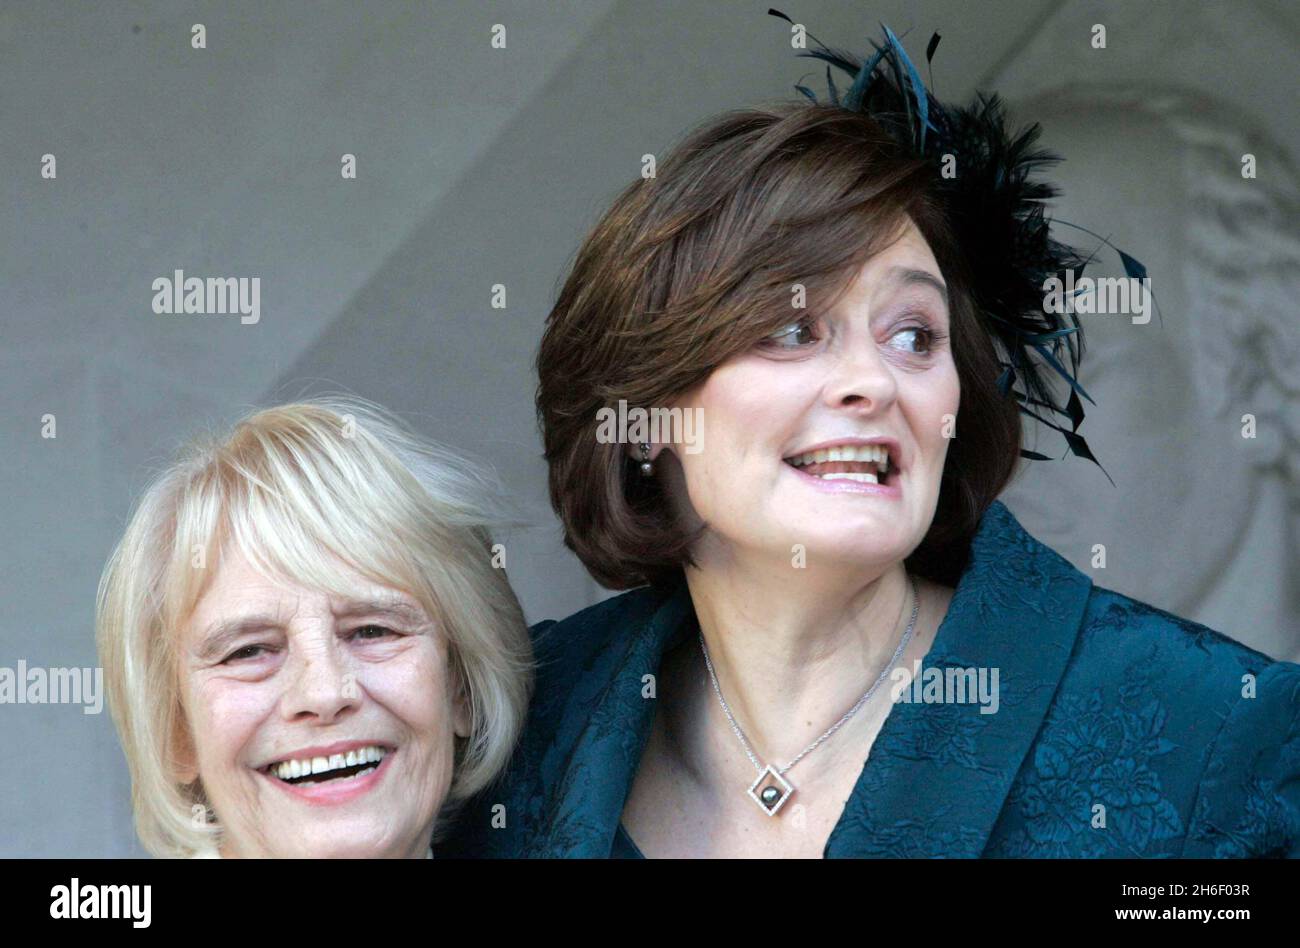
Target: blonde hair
x=292, y=488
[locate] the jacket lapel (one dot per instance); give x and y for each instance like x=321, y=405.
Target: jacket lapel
x=939, y=774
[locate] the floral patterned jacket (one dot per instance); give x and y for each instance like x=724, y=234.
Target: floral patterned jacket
x=1122, y=730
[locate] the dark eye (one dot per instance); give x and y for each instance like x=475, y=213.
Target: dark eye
x=792, y=336
x=918, y=339
x=371, y=632
x=242, y=654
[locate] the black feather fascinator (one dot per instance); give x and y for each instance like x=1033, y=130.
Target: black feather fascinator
x=995, y=203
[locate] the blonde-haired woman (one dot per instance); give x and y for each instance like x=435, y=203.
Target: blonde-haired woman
x=309, y=649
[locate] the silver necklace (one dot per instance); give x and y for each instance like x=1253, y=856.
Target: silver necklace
x=771, y=789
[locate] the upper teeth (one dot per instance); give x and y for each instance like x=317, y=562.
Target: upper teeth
x=862, y=452
x=307, y=766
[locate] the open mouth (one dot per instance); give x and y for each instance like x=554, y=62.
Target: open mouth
x=338, y=767
x=864, y=463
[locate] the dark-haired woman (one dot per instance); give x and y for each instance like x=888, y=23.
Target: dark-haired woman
x=837, y=641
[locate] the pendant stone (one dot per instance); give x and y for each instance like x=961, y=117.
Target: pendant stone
x=770, y=791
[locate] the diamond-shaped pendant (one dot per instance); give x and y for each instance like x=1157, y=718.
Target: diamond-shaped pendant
x=770, y=791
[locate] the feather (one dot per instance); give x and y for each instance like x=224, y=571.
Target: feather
x=930, y=48
x=929, y=56
x=918, y=87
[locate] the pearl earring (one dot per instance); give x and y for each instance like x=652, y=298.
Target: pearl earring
x=647, y=466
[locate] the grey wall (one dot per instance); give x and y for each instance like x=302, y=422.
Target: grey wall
x=476, y=167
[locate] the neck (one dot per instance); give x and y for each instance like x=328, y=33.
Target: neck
x=791, y=657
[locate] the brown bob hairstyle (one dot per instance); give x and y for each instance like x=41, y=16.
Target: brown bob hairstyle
x=695, y=265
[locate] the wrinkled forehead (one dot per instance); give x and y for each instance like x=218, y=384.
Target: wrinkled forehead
x=243, y=590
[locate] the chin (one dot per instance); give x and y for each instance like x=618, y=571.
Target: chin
x=850, y=548
x=335, y=849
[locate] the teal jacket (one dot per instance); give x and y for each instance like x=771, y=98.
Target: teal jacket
x=1121, y=731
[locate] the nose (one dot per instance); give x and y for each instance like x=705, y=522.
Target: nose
x=860, y=378
x=320, y=684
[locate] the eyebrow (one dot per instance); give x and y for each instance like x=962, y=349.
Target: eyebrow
x=910, y=276
x=222, y=634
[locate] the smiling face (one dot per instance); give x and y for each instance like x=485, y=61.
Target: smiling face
x=876, y=372
x=273, y=672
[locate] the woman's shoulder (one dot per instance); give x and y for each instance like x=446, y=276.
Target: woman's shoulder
x=574, y=666
x=1116, y=625
x=1131, y=649
x=559, y=643
x=1207, y=730
x=577, y=657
